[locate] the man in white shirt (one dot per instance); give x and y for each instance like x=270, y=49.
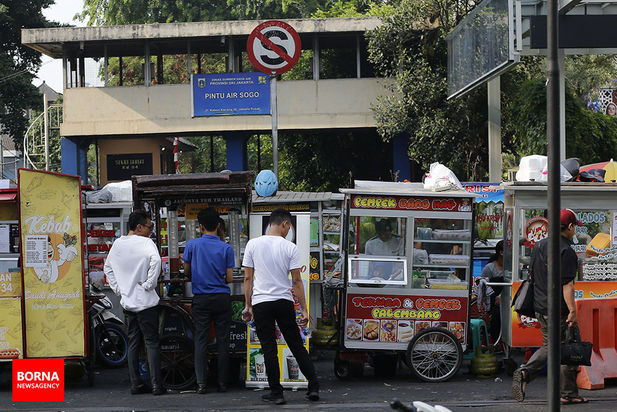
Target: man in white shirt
x=267, y=262
x=385, y=243
x=132, y=269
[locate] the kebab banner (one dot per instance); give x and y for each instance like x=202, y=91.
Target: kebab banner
x=51, y=238
x=391, y=321
x=11, y=346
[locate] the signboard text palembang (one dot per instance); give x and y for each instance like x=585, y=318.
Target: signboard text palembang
x=230, y=94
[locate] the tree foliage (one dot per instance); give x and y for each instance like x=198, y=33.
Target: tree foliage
x=18, y=64
x=592, y=137
x=410, y=48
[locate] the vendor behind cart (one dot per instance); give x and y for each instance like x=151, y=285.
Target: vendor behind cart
x=385, y=243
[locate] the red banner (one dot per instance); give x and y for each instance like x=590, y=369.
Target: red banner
x=38, y=380
x=434, y=204
x=397, y=318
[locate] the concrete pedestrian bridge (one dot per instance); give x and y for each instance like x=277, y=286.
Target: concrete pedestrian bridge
x=154, y=109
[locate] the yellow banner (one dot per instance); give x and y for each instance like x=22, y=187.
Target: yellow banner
x=10, y=284
x=50, y=219
x=192, y=209
x=10, y=329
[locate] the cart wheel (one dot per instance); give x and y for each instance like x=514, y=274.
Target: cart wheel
x=434, y=355
x=342, y=369
x=345, y=370
x=177, y=364
x=385, y=365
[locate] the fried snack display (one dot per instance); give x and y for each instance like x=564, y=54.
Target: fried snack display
x=388, y=331
x=371, y=330
x=11, y=353
x=354, y=329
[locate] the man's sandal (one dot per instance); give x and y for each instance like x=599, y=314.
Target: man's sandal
x=572, y=400
x=519, y=381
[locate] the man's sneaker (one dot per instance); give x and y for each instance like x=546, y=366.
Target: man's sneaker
x=518, y=384
x=139, y=389
x=276, y=399
x=312, y=396
x=158, y=390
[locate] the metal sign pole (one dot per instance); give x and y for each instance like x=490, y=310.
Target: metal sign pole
x=275, y=136
x=554, y=206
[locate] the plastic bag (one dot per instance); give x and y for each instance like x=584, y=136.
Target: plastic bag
x=534, y=168
x=531, y=169
x=441, y=178
x=99, y=196
x=121, y=191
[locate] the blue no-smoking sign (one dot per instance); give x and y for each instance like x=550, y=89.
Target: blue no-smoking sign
x=230, y=94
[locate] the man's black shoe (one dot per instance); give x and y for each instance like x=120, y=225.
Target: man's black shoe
x=137, y=390
x=276, y=399
x=312, y=396
x=222, y=388
x=158, y=390
x=201, y=388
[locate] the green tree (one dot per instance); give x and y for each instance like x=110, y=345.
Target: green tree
x=19, y=64
x=590, y=136
x=410, y=47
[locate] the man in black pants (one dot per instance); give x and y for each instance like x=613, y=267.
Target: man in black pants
x=132, y=269
x=209, y=263
x=267, y=262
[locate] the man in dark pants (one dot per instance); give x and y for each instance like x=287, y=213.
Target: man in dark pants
x=210, y=262
x=267, y=262
x=569, y=265
x=132, y=269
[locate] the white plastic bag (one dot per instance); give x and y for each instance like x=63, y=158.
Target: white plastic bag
x=532, y=168
x=440, y=178
x=121, y=191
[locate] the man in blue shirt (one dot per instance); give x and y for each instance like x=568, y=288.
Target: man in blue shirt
x=209, y=263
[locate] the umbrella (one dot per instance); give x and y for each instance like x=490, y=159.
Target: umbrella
x=611, y=171
x=593, y=166
x=610, y=167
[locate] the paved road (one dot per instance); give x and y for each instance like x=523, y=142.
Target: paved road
x=369, y=393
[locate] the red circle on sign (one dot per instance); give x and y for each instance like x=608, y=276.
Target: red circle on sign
x=260, y=42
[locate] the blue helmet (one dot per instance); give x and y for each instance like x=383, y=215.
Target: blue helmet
x=266, y=183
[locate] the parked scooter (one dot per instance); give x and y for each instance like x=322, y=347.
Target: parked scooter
x=110, y=338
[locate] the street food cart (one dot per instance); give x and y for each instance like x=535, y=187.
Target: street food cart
x=595, y=204
x=11, y=331
x=407, y=278
x=173, y=202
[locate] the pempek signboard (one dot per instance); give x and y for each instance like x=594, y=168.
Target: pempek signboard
x=224, y=94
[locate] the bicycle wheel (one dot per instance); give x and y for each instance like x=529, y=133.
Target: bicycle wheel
x=434, y=355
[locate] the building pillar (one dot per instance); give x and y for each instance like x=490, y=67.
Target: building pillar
x=74, y=158
x=236, y=151
x=400, y=157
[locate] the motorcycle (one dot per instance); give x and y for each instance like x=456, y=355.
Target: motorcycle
x=110, y=338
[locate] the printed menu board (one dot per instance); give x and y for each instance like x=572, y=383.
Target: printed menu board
x=391, y=321
x=51, y=231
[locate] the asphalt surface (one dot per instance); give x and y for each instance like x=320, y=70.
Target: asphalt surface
x=368, y=393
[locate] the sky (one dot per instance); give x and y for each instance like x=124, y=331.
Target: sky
x=51, y=69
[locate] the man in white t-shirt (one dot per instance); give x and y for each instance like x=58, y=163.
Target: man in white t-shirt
x=267, y=262
x=132, y=269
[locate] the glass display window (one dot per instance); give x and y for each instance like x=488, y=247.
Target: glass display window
x=378, y=271
x=377, y=236
x=441, y=253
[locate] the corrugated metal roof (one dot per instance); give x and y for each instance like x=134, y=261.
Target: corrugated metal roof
x=293, y=197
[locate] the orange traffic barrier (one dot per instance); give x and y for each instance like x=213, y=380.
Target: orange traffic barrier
x=597, y=319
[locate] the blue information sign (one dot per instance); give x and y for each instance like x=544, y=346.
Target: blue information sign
x=230, y=94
